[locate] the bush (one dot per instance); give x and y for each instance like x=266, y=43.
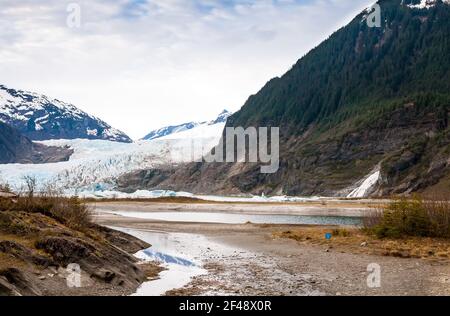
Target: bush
x=71, y=212
x=411, y=217
x=5, y=187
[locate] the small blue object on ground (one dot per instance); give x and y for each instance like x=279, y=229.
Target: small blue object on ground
x=328, y=236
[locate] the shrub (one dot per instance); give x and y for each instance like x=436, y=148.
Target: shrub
x=4, y=186
x=71, y=212
x=411, y=217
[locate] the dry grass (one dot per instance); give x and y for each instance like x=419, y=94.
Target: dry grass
x=354, y=240
x=8, y=261
x=70, y=212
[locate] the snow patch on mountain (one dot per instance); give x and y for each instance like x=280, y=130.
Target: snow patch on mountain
x=170, y=130
x=41, y=118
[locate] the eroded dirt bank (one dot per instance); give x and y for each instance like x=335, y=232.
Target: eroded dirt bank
x=38, y=254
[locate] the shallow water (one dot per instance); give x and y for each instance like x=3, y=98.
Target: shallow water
x=180, y=253
x=231, y=218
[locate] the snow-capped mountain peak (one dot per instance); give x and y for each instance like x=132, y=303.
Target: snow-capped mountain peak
x=41, y=118
x=174, y=129
x=168, y=130
x=222, y=118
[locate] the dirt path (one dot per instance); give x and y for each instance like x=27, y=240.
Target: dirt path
x=264, y=265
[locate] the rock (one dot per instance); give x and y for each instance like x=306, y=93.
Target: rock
x=7, y=289
x=103, y=263
x=21, y=252
x=22, y=282
x=42, y=277
x=53, y=270
x=400, y=254
x=104, y=275
x=65, y=250
x=122, y=240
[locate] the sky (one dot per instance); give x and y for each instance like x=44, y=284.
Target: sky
x=143, y=64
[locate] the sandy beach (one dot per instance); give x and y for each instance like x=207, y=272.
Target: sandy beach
x=247, y=259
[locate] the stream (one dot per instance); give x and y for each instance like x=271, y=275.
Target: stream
x=181, y=254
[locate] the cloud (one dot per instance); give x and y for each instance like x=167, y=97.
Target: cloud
x=140, y=64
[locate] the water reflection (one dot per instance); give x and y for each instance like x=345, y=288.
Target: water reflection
x=231, y=218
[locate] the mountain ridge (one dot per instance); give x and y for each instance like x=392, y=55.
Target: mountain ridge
x=173, y=129
x=42, y=118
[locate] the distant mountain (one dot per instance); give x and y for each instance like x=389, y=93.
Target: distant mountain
x=369, y=107
x=169, y=130
x=222, y=118
x=39, y=117
x=16, y=148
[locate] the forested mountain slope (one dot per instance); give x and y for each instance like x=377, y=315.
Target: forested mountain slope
x=365, y=99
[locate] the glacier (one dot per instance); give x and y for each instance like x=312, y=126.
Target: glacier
x=95, y=164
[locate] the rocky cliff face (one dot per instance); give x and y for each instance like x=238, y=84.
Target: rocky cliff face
x=366, y=98
x=15, y=148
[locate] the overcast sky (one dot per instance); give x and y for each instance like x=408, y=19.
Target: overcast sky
x=143, y=64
